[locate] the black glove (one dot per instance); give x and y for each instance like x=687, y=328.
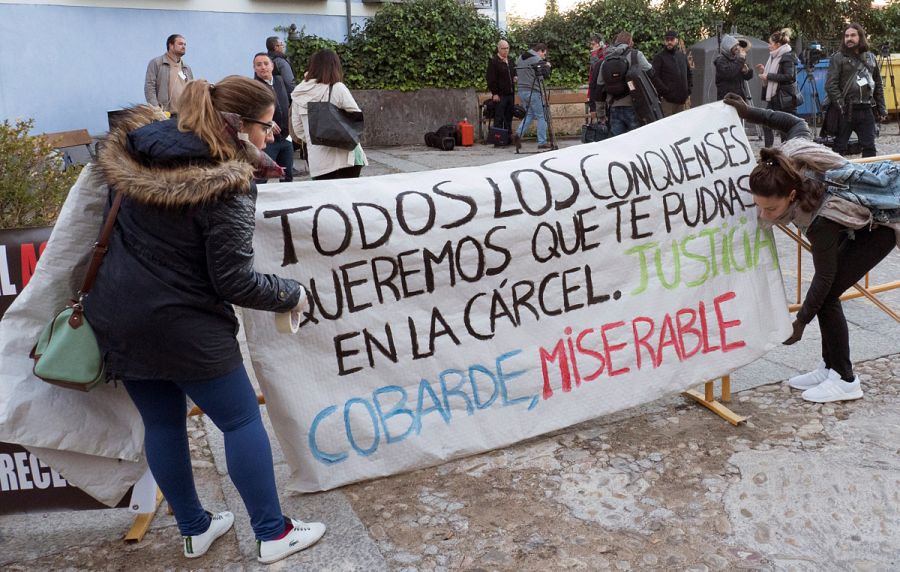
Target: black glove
x=738, y=103
x=796, y=335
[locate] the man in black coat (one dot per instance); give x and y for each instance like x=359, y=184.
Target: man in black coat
x=673, y=77
x=282, y=67
x=280, y=150
x=501, y=81
x=854, y=85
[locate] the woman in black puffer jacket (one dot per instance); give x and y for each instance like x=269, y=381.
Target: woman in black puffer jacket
x=180, y=255
x=778, y=77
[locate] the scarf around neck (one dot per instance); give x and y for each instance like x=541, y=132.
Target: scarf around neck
x=772, y=67
x=263, y=165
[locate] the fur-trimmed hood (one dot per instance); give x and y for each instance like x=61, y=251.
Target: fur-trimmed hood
x=164, y=167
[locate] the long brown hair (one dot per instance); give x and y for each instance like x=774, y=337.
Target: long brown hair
x=325, y=67
x=776, y=175
x=201, y=102
x=863, y=42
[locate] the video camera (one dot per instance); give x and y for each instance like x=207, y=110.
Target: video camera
x=812, y=54
x=886, y=50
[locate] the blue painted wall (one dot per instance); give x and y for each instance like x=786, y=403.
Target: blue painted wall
x=67, y=66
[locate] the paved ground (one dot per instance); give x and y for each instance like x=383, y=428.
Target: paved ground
x=667, y=486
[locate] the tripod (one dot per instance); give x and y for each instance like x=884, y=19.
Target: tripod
x=886, y=57
x=816, y=103
x=537, y=82
x=749, y=97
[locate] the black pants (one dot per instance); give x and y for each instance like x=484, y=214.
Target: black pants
x=282, y=152
x=859, y=119
x=768, y=134
x=855, y=257
x=345, y=173
x=503, y=112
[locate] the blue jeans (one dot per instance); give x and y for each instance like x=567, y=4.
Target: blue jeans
x=535, y=110
x=230, y=402
x=622, y=119
x=282, y=152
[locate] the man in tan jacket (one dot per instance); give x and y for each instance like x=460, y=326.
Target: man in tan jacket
x=167, y=75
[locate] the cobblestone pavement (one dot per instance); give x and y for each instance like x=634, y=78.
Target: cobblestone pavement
x=801, y=486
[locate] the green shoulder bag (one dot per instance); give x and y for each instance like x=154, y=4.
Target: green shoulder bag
x=66, y=353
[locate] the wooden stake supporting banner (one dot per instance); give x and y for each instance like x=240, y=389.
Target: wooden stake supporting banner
x=141, y=523
x=707, y=399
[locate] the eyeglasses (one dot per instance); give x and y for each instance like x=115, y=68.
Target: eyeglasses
x=269, y=125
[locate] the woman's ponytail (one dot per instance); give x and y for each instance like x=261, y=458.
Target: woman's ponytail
x=776, y=175
x=197, y=113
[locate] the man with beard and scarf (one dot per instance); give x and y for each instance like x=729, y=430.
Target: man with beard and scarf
x=854, y=85
x=673, y=75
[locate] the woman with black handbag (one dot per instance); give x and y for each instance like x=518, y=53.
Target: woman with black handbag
x=779, y=78
x=323, y=82
x=180, y=254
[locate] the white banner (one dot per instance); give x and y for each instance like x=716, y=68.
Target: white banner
x=461, y=310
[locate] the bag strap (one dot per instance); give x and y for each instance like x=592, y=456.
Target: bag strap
x=100, y=247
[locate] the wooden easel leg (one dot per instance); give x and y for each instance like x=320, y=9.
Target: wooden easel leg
x=141, y=523
x=707, y=399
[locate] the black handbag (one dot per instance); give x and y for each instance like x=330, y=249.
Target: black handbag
x=594, y=131
x=789, y=98
x=332, y=126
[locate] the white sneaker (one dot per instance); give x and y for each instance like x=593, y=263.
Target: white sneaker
x=810, y=379
x=834, y=389
x=303, y=535
x=219, y=524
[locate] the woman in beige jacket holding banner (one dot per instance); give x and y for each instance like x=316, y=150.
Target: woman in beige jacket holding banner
x=322, y=80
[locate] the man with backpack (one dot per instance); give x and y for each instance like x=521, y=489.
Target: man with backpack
x=624, y=85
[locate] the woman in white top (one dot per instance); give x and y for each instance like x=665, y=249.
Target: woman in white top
x=325, y=72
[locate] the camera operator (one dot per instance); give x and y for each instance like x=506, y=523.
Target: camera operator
x=532, y=68
x=854, y=85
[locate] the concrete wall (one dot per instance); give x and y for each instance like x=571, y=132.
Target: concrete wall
x=403, y=117
x=65, y=63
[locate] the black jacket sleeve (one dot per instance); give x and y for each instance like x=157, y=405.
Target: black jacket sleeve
x=728, y=69
x=825, y=239
x=229, y=255
x=492, y=78
x=787, y=123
